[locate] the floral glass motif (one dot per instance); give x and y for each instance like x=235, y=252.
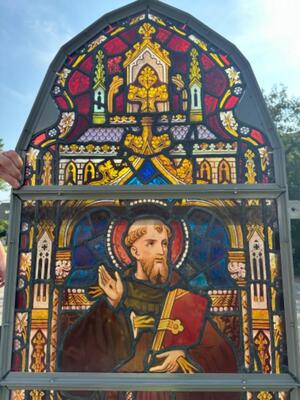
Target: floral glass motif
x=121, y=286
x=148, y=101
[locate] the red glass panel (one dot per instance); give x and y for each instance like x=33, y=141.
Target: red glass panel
x=215, y=82
x=178, y=44
x=87, y=65
x=257, y=136
x=265, y=179
x=179, y=62
x=120, y=103
x=207, y=62
x=83, y=103
x=176, y=103
x=224, y=58
x=130, y=35
x=80, y=126
x=210, y=103
x=162, y=35
x=16, y=362
x=177, y=244
x=216, y=127
x=231, y=102
x=115, y=46
x=20, y=300
x=113, y=64
x=39, y=139
x=24, y=241
x=78, y=83
x=61, y=102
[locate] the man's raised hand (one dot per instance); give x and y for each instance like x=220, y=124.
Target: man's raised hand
x=112, y=287
x=10, y=168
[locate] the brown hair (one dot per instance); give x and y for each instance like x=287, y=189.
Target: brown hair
x=135, y=233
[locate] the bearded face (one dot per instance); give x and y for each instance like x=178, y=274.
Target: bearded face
x=156, y=269
x=149, y=240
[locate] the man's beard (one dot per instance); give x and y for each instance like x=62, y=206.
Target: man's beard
x=156, y=269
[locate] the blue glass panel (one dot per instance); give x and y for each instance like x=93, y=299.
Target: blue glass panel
x=146, y=172
x=217, y=251
x=188, y=271
x=199, y=222
x=100, y=222
x=134, y=181
x=98, y=248
x=200, y=230
x=219, y=275
x=199, y=282
x=82, y=257
x=83, y=278
x=200, y=252
x=83, y=231
x=158, y=181
x=217, y=232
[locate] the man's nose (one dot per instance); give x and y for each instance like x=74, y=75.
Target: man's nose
x=160, y=249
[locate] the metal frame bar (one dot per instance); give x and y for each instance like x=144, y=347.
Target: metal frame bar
x=287, y=275
x=209, y=191
x=149, y=382
x=10, y=287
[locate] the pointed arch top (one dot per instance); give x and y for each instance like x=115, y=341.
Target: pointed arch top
x=144, y=90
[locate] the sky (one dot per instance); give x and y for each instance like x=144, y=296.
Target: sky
x=267, y=32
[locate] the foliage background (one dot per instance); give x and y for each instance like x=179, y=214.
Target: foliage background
x=285, y=113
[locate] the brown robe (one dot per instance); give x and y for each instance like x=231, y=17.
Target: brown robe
x=102, y=341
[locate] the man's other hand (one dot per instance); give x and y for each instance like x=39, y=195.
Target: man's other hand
x=170, y=361
x=112, y=287
x=10, y=168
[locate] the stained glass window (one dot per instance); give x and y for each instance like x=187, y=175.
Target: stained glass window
x=154, y=105
x=152, y=229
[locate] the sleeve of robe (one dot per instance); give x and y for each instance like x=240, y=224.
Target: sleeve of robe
x=98, y=342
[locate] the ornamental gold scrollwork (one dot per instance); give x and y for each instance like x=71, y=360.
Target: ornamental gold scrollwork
x=38, y=354
x=245, y=329
x=174, y=326
x=47, y=169
x=147, y=143
x=262, y=343
x=117, y=81
x=18, y=395
x=277, y=324
x=250, y=166
x=264, y=396
x=37, y=395
x=180, y=172
x=53, y=341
